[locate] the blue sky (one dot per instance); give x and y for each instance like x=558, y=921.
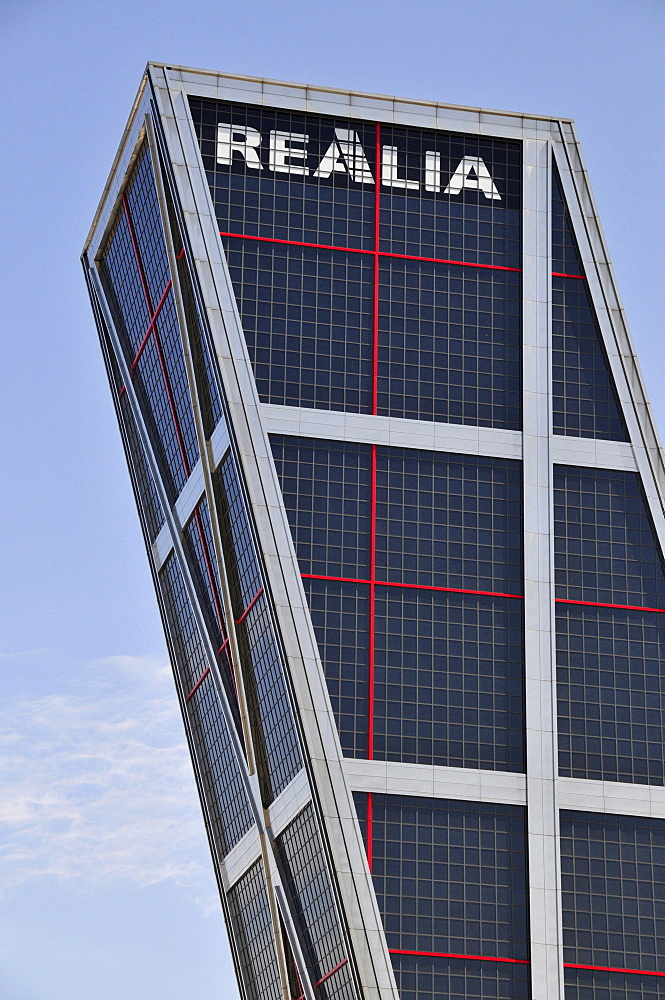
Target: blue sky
x=106, y=889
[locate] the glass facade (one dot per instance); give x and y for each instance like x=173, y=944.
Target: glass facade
x=376, y=269
x=376, y=266
x=584, y=396
x=412, y=563
x=451, y=883
x=613, y=903
x=307, y=881
x=610, y=584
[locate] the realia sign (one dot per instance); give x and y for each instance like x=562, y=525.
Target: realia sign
x=289, y=153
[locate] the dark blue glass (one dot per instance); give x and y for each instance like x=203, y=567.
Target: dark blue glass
x=422, y=978
x=591, y=984
x=605, y=544
x=449, y=680
x=613, y=890
x=565, y=253
x=584, y=397
x=451, y=877
x=275, y=738
x=326, y=487
x=611, y=694
x=468, y=226
x=340, y=615
x=448, y=520
x=254, y=936
x=307, y=319
x=450, y=344
x=224, y=791
x=307, y=883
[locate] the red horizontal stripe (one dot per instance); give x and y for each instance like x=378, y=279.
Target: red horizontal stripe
x=609, y=968
x=198, y=684
x=442, y=954
x=410, y=586
x=296, y=243
x=441, y=260
x=340, y=965
x=381, y=253
x=558, y=274
x=600, y=604
x=249, y=607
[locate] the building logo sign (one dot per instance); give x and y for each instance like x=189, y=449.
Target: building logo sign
x=288, y=153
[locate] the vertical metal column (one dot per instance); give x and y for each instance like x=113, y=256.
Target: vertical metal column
x=540, y=691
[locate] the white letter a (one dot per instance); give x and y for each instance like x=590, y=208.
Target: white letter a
x=345, y=154
x=473, y=175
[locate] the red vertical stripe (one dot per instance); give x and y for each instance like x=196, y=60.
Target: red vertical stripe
x=160, y=353
x=372, y=607
x=377, y=234
x=370, y=817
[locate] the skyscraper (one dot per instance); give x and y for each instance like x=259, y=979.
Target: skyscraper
x=403, y=503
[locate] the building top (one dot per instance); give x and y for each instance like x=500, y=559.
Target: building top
x=265, y=86
x=337, y=102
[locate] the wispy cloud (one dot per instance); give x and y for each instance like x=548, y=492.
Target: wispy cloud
x=97, y=785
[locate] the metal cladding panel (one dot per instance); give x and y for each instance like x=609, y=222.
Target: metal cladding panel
x=398, y=478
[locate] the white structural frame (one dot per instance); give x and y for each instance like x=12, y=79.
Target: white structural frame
x=330, y=780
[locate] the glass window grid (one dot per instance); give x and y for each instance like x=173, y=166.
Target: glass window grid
x=585, y=402
x=307, y=318
x=326, y=487
x=275, y=738
x=226, y=798
x=460, y=706
x=160, y=375
x=588, y=984
x=147, y=497
x=611, y=694
x=422, y=978
x=242, y=565
x=340, y=615
x=451, y=877
x=307, y=882
x=168, y=331
x=442, y=520
x=463, y=227
x=565, y=253
x=613, y=890
x=302, y=366
x=446, y=520
x=146, y=219
x=274, y=734
x=605, y=545
x=448, y=686
x=208, y=392
x=450, y=344
x=336, y=211
x=253, y=935
x=584, y=397
x=153, y=398
x=122, y=284
x=198, y=543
